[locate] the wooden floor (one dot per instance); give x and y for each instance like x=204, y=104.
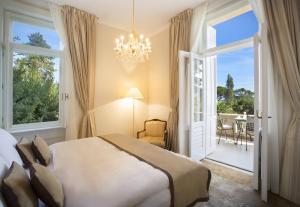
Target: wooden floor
x=233, y=188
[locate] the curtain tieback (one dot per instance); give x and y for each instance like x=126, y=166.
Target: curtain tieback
x=89, y=112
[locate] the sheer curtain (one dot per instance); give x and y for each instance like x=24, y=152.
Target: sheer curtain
x=197, y=39
x=72, y=110
x=180, y=31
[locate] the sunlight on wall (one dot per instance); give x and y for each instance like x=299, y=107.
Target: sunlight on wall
x=113, y=111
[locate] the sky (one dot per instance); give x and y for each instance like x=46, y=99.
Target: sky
x=23, y=30
x=240, y=63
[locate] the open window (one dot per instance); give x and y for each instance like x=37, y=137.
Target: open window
x=32, y=74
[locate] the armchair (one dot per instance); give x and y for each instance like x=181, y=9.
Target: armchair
x=154, y=132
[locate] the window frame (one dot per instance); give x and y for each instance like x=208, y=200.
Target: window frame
x=227, y=11
x=9, y=48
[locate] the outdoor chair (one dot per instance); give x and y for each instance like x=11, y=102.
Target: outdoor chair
x=222, y=127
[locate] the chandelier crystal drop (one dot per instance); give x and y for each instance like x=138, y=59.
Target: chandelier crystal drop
x=135, y=49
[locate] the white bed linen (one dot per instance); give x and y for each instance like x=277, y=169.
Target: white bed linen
x=8, y=148
x=3, y=171
x=95, y=173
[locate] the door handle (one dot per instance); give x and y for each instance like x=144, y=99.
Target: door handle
x=257, y=115
x=260, y=116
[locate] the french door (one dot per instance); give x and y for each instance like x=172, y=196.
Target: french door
x=197, y=111
x=261, y=174
x=197, y=144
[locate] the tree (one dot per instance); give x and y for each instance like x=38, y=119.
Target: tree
x=224, y=107
x=229, y=86
x=35, y=93
x=234, y=101
x=244, y=101
x=221, y=93
x=37, y=39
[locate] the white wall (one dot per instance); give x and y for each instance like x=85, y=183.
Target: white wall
x=113, y=110
x=159, y=100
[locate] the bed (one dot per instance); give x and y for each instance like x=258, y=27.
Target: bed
x=116, y=170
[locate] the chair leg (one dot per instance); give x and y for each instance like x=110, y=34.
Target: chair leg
x=220, y=137
x=226, y=134
x=242, y=139
x=246, y=142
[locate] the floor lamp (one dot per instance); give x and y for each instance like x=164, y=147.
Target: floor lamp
x=134, y=93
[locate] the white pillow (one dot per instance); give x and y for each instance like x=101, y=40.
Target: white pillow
x=3, y=171
x=8, y=148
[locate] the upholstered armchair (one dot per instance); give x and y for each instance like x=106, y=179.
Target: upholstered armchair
x=155, y=132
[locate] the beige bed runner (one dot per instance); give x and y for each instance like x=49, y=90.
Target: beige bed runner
x=189, y=180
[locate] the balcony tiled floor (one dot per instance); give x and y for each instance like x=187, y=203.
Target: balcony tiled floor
x=235, y=155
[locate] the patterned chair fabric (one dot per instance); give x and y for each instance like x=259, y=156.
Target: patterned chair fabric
x=155, y=132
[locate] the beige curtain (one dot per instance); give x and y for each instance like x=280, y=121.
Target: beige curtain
x=180, y=30
x=283, y=17
x=81, y=35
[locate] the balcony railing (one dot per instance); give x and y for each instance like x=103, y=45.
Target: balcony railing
x=229, y=119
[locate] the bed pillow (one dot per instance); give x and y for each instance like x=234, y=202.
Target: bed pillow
x=16, y=188
x=41, y=150
x=25, y=151
x=8, y=148
x=46, y=186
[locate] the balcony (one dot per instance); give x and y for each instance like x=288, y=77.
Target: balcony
x=231, y=147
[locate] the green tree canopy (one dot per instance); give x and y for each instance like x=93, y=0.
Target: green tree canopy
x=221, y=93
x=234, y=101
x=229, y=86
x=35, y=93
x=37, y=39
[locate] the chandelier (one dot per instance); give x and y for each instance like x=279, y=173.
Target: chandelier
x=136, y=49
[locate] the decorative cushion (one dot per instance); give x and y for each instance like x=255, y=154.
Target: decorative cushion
x=155, y=128
x=41, y=150
x=158, y=141
x=25, y=151
x=16, y=188
x=47, y=187
x=8, y=148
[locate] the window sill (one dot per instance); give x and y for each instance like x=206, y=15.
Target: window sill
x=24, y=128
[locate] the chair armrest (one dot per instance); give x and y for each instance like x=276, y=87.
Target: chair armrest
x=141, y=133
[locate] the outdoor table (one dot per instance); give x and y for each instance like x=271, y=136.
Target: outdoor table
x=240, y=121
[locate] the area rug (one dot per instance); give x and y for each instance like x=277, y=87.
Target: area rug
x=226, y=192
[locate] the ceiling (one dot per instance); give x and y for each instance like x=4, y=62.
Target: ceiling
x=151, y=15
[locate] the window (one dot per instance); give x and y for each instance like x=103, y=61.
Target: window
x=32, y=74
x=230, y=31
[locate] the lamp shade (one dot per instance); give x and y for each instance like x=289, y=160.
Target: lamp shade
x=134, y=93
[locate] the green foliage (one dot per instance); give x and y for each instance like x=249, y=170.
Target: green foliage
x=36, y=39
x=35, y=93
x=221, y=93
x=229, y=88
x=234, y=101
